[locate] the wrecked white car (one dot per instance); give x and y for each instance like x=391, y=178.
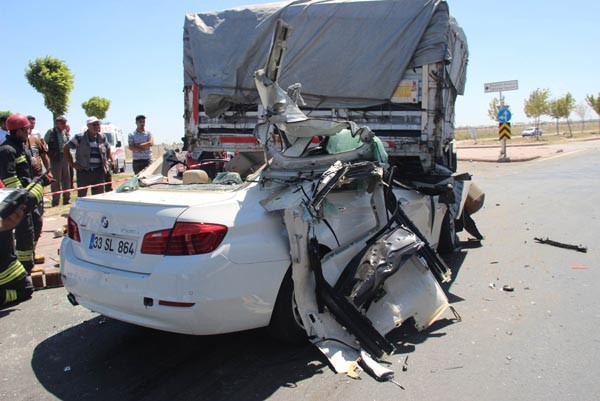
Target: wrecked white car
x=325, y=241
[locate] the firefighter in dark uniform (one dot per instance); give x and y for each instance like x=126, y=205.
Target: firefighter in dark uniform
x=15, y=172
x=15, y=285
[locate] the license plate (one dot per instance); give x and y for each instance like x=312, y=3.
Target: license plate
x=113, y=245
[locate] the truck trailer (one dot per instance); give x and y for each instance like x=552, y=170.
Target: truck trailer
x=395, y=66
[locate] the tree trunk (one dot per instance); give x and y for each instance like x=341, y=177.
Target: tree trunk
x=557, y=133
x=570, y=131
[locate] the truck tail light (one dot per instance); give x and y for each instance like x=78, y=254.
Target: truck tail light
x=184, y=239
x=73, y=230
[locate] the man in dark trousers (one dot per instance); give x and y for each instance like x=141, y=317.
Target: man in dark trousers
x=56, y=138
x=92, y=158
x=140, y=144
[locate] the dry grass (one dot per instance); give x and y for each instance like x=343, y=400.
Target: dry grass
x=549, y=132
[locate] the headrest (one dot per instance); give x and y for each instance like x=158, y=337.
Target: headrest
x=195, y=177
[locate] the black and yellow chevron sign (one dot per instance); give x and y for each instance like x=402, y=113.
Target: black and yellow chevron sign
x=504, y=131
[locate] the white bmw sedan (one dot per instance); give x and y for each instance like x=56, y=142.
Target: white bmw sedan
x=204, y=258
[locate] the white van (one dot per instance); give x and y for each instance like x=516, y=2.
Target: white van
x=114, y=136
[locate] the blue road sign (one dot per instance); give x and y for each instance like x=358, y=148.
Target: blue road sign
x=504, y=116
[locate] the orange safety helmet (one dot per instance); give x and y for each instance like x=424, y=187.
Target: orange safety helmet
x=16, y=121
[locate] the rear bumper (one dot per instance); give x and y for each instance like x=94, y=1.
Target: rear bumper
x=226, y=297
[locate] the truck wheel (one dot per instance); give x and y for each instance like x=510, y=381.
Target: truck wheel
x=448, y=239
x=116, y=166
x=122, y=169
x=286, y=324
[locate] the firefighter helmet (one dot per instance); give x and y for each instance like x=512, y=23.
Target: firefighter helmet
x=16, y=121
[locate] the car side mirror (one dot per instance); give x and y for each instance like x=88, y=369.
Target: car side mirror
x=118, y=144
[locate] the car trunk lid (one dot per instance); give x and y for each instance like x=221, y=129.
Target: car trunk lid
x=112, y=226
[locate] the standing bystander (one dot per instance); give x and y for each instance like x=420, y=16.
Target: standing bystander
x=92, y=158
x=39, y=162
x=34, y=132
x=140, y=143
x=3, y=130
x=56, y=138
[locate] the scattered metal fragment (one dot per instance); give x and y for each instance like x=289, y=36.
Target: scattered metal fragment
x=493, y=263
x=405, y=364
x=578, y=248
x=67, y=369
x=492, y=286
x=454, y=367
x=457, y=317
x=578, y=267
x=507, y=288
x=396, y=383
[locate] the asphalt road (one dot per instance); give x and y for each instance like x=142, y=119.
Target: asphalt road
x=538, y=342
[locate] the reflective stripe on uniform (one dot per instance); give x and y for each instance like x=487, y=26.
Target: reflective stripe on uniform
x=25, y=256
x=21, y=159
x=12, y=182
x=36, y=190
x=11, y=296
x=13, y=272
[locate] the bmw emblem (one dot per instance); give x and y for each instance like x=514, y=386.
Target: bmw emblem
x=104, y=221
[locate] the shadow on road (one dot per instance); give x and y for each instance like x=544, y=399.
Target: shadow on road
x=103, y=359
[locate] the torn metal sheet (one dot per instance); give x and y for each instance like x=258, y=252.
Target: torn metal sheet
x=393, y=294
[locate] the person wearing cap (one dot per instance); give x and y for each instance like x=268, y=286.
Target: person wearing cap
x=16, y=172
x=140, y=143
x=56, y=138
x=92, y=158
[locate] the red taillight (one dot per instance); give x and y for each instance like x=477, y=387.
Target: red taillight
x=155, y=242
x=73, y=230
x=184, y=239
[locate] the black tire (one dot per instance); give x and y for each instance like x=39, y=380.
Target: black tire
x=122, y=168
x=116, y=166
x=286, y=325
x=448, y=241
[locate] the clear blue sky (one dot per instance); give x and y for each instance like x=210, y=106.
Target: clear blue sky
x=130, y=51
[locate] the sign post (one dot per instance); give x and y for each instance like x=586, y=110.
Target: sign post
x=504, y=114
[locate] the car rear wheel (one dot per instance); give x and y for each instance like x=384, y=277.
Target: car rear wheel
x=122, y=169
x=286, y=324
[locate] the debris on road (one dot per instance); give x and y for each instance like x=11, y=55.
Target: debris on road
x=405, y=364
x=507, y=288
x=578, y=248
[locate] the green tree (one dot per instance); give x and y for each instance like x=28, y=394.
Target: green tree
x=581, y=110
x=567, y=105
x=54, y=80
x=537, y=105
x=96, y=106
x=594, y=103
x=5, y=113
x=493, y=109
x=553, y=110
